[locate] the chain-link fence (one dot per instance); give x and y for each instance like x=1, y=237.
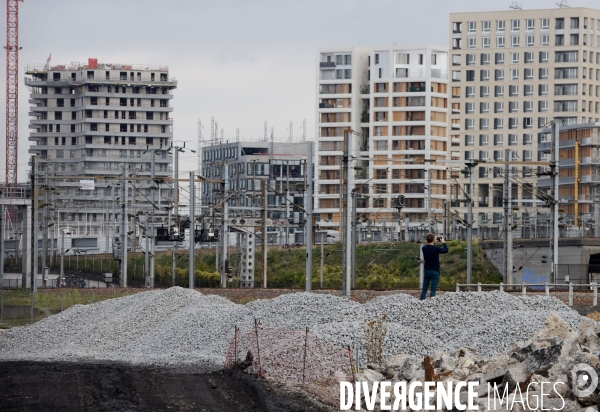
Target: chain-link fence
x=292, y=356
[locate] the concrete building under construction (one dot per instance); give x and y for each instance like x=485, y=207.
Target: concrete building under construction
x=90, y=121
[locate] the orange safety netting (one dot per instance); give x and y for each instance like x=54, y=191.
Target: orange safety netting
x=295, y=357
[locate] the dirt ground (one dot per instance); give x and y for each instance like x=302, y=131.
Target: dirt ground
x=47, y=386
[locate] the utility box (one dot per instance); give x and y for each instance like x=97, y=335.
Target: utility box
x=108, y=278
x=92, y=63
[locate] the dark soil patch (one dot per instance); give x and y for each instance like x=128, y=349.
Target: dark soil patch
x=55, y=386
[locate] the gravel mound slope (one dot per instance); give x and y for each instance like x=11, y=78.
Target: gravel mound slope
x=182, y=328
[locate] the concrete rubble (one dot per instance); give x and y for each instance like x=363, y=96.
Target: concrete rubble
x=549, y=357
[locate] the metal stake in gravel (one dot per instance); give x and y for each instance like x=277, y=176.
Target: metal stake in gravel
x=260, y=372
x=62, y=302
x=305, y=347
x=2, y=308
x=351, y=364
x=92, y=297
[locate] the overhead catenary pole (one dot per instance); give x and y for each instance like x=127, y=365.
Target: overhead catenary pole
x=224, y=228
x=147, y=254
x=264, y=232
x=124, y=228
x=471, y=168
x=2, y=244
x=554, y=206
x=151, y=227
x=309, y=192
x=175, y=213
x=34, y=229
x=192, y=229
x=354, y=239
x=323, y=236
x=347, y=217
x=62, y=257
x=507, y=224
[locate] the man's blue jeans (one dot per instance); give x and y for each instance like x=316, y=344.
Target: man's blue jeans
x=433, y=277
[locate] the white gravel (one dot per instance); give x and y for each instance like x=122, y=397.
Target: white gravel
x=182, y=328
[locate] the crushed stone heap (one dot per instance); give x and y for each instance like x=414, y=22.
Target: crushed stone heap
x=182, y=328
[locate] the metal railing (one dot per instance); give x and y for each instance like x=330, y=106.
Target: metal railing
x=547, y=286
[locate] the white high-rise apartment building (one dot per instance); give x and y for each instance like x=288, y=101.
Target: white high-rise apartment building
x=87, y=121
x=511, y=73
x=395, y=100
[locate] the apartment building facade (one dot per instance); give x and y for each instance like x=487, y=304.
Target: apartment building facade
x=395, y=102
x=282, y=165
x=579, y=176
x=89, y=120
x=512, y=72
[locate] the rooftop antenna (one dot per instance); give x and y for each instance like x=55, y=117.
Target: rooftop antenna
x=517, y=6
x=303, y=130
x=272, y=142
x=564, y=4
x=212, y=129
x=291, y=139
x=222, y=135
x=266, y=133
x=216, y=136
x=237, y=134
x=199, y=154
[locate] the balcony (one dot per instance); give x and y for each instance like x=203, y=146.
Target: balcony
x=327, y=65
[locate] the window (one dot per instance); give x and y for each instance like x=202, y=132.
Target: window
x=559, y=40
x=498, y=107
x=484, y=107
x=543, y=72
x=60, y=154
x=566, y=56
x=469, y=140
x=484, y=91
x=543, y=90
x=470, y=59
x=565, y=89
x=528, y=122
x=470, y=91
x=530, y=24
x=498, y=154
x=514, y=74
x=528, y=90
x=498, y=123
x=469, y=107
x=469, y=124
x=456, y=59
x=512, y=139
x=513, y=107
x=455, y=75
x=560, y=24
x=483, y=155
x=469, y=155
x=545, y=40
x=543, y=106
x=544, y=56
x=545, y=24
x=528, y=74
x=527, y=139
x=498, y=139
x=376, y=58
x=499, y=74
x=472, y=42
x=499, y=91
x=456, y=44
x=499, y=58
x=513, y=90
x=515, y=41
x=513, y=123
x=485, y=26
x=500, y=25
x=574, y=22
x=485, y=58
x=527, y=155
x=472, y=26
x=530, y=40
x=500, y=41
x=574, y=39
x=565, y=106
x=485, y=42
x=529, y=57
x=485, y=74
x=514, y=57
x=483, y=140
x=515, y=25
x=484, y=124
x=566, y=73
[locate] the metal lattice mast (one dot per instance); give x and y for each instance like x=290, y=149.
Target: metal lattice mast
x=12, y=89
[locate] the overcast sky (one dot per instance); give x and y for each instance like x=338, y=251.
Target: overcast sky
x=241, y=61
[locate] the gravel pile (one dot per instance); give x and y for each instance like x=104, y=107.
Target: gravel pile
x=182, y=328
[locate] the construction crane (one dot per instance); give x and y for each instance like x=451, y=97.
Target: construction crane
x=12, y=89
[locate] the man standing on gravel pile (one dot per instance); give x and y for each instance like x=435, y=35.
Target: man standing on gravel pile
x=431, y=256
